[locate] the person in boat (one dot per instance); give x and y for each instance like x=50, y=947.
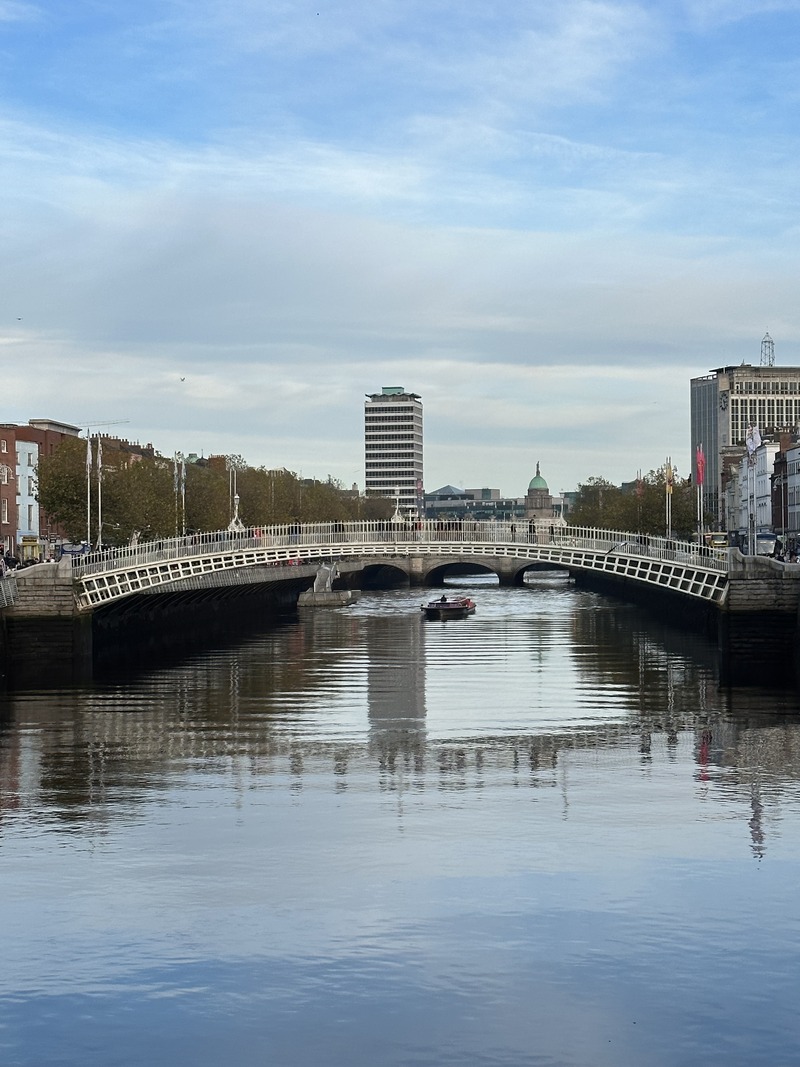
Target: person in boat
x=443, y=599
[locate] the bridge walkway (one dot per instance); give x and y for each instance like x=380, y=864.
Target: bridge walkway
x=679, y=566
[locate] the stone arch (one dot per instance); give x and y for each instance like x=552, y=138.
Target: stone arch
x=518, y=577
x=436, y=574
x=381, y=575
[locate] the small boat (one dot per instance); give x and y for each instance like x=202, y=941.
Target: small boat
x=457, y=607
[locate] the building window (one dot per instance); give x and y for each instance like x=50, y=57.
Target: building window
x=31, y=459
x=3, y=446
x=30, y=516
x=3, y=511
x=31, y=486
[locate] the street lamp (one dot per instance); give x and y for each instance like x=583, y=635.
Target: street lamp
x=179, y=481
x=235, y=525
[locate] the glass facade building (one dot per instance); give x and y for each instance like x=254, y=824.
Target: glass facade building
x=724, y=404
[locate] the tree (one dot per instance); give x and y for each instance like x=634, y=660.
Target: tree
x=597, y=504
x=639, y=508
x=141, y=496
x=61, y=487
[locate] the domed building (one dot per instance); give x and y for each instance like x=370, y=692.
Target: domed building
x=538, y=499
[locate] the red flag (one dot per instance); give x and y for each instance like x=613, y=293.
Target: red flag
x=700, y=461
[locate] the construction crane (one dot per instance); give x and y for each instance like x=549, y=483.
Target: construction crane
x=767, y=351
x=91, y=424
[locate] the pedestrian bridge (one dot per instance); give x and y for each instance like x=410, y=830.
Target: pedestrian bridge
x=421, y=551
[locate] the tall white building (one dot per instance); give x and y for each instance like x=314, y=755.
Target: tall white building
x=393, y=447
x=724, y=404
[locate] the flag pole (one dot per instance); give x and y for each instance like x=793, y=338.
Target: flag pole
x=668, y=492
x=99, y=492
x=88, y=487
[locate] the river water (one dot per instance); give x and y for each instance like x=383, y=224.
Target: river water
x=538, y=836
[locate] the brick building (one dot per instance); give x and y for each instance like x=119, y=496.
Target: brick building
x=24, y=529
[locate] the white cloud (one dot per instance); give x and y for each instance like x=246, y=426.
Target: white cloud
x=18, y=11
x=709, y=14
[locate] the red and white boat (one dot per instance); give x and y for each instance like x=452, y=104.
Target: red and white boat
x=457, y=607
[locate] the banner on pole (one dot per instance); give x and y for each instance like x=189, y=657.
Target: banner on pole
x=700, y=463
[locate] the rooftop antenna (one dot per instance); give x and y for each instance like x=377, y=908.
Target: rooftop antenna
x=767, y=351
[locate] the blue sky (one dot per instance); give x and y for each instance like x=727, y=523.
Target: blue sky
x=223, y=224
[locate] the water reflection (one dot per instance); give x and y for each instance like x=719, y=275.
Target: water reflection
x=499, y=699
x=541, y=835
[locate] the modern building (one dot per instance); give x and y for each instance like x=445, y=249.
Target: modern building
x=393, y=448
x=724, y=404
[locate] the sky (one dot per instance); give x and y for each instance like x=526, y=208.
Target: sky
x=224, y=223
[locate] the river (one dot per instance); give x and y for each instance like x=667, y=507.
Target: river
x=538, y=836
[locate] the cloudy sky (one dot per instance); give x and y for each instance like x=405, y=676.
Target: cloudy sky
x=225, y=221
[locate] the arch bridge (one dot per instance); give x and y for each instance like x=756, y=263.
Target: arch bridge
x=420, y=552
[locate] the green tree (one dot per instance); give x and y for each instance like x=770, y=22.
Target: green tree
x=61, y=487
x=598, y=504
x=139, y=497
x=640, y=508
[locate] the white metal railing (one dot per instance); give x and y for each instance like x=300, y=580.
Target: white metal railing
x=9, y=593
x=488, y=538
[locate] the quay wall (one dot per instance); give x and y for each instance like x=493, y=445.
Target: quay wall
x=45, y=634
x=45, y=637
x=758, y=623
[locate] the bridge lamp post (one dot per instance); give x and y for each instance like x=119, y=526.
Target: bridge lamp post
x=179, y=481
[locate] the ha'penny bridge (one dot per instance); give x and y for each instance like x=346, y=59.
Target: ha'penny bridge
x=63, y=611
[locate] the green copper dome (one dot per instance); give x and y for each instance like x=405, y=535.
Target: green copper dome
x=537, y=482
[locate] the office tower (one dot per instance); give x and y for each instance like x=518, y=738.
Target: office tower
x=393, y=447
x=724, y=404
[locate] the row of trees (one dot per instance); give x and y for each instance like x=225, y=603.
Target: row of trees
x=638, y=506
x=142, y=496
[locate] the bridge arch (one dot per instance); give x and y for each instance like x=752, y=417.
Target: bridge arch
x=536, y=567
x=384, y=575
x=457, y=568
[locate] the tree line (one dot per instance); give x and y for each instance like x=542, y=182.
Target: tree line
x=141, y=495
x=638, y=506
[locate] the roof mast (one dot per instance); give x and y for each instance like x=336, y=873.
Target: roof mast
x=767, y=351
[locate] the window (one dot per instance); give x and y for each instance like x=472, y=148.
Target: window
x=31, y=459
x=4, y=474
x=30, y=516
x=31, y=486
x=3, y=511
x=3, y=445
